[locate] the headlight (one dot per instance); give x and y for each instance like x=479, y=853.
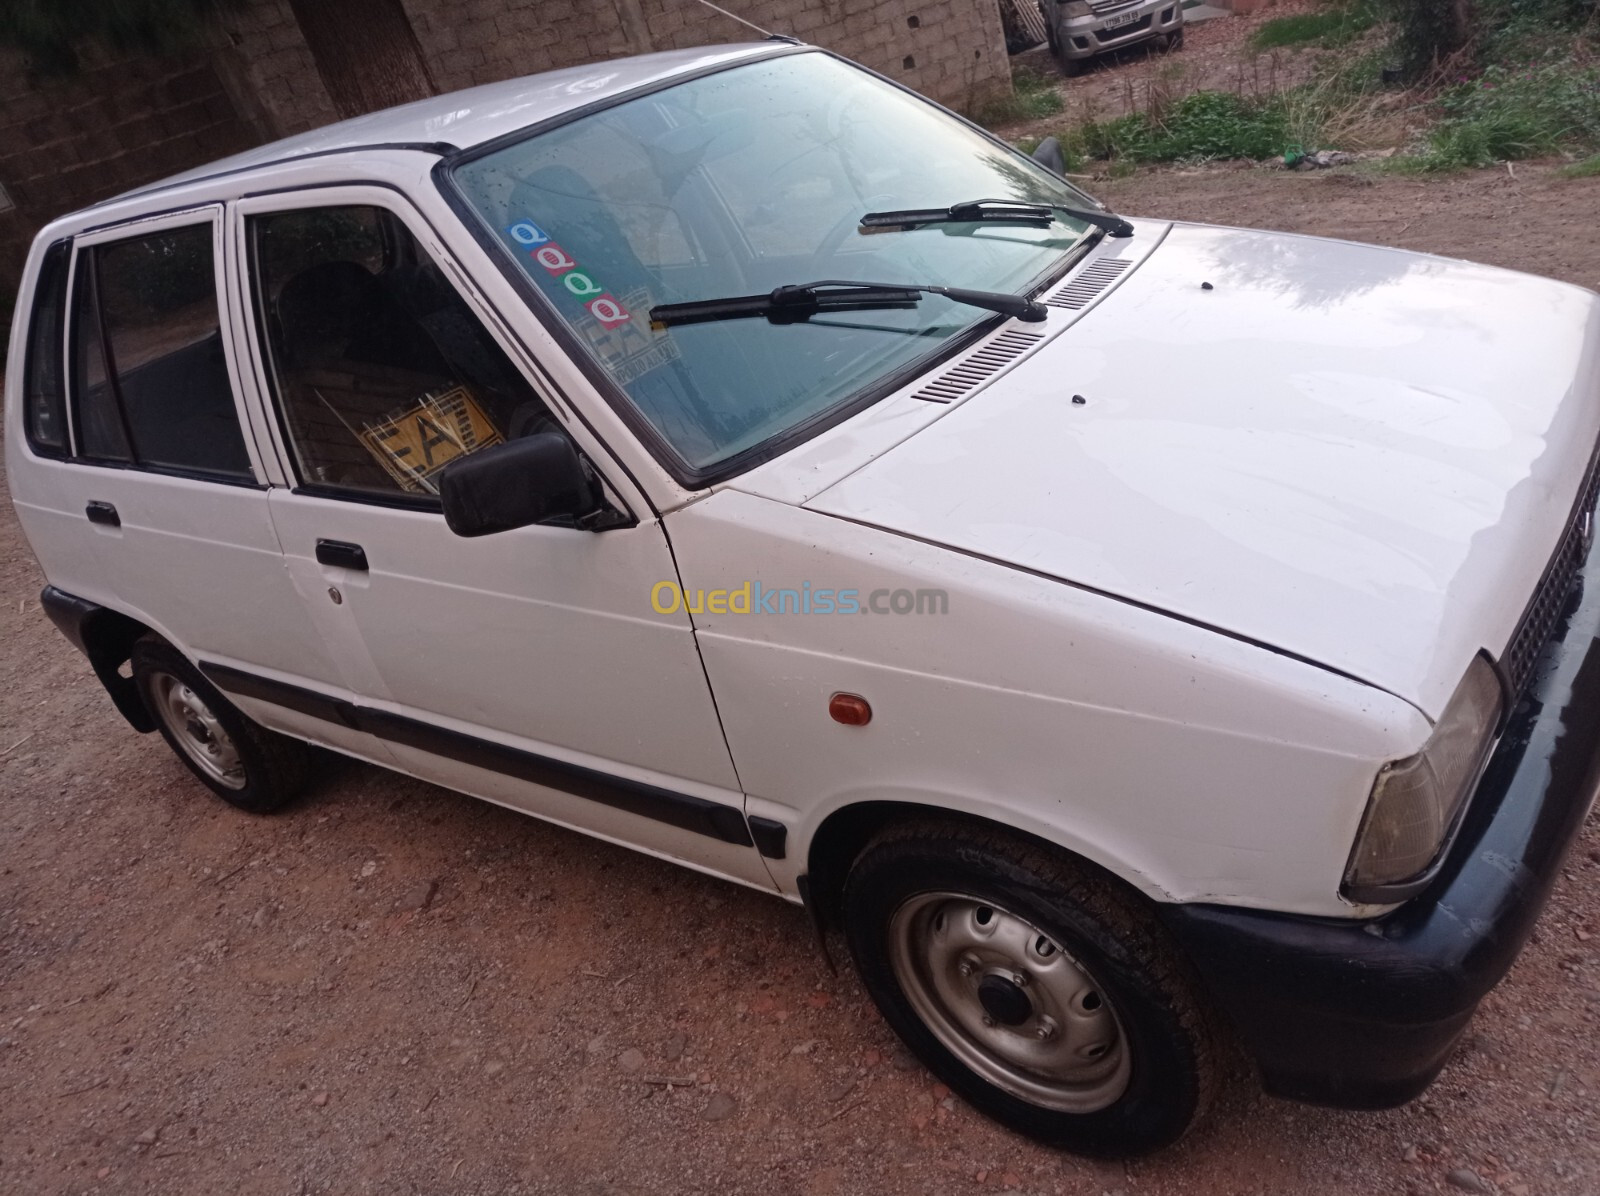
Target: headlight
x=1076, y=8
x=1415, y=801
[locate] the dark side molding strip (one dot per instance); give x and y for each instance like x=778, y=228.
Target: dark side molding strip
x=709, y=818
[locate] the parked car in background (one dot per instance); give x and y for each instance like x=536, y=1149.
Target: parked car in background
x=1134, y=636
x=1079, y=30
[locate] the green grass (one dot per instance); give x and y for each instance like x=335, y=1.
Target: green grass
x=1335, y=26
x=1587, y=169
x=1033, y=96
x=1507, y=113
x=1202, y=126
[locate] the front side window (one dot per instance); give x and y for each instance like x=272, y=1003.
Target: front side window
x=734, y=184
x=383, y=374
x=44, y=390
x=150, y=377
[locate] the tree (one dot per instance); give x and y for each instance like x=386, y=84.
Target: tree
x=1432, y=30
x=366, y=53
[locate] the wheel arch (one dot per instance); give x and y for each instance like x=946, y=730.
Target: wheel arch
x=841, y=836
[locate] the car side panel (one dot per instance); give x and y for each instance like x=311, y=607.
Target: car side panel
x=1195, y=766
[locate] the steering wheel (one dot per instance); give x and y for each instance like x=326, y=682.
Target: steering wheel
x=822, y=255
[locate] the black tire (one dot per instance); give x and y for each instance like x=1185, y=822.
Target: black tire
x=1110, y=939
x=1070, y=67
x=265, y=770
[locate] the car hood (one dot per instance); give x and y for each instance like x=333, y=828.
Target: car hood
x=1359, y=456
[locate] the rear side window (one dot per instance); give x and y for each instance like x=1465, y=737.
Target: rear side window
x=150, y=378
x=44, y=389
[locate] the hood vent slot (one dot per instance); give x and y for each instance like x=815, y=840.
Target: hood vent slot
x=982, y=365
x=1096, y=277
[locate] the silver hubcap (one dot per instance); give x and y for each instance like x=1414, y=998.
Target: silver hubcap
x=1007, y=1001
x=196, y=730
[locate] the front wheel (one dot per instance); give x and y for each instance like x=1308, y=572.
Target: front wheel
x=1042, y=993
x=239, y=760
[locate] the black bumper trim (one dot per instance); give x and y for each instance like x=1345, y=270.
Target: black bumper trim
x=106, y=638
x=712, y=819
x=1365, y=1014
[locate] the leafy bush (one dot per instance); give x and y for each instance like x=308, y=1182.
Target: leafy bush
x=1203, y=125
x=1506, y=114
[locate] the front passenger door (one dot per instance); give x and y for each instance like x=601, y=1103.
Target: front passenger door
x=526, y=667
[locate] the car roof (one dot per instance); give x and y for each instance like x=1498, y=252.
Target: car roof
x=461, y=119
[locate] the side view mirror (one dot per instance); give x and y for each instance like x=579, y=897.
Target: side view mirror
x=1048, y=154
x=536, y=479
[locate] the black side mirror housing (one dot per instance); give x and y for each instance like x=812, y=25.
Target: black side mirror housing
x=535, y=479
x=1048, y=154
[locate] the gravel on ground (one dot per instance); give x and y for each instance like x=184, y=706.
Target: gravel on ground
x=391, y=988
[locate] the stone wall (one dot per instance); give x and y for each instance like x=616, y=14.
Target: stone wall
x=117, y=124
x=122, y=122
x=951, y=50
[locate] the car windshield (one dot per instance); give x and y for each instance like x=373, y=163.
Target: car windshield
x=739, y=182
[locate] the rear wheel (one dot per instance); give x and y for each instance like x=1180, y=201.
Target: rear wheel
x=1043, y=993
x=238, y=759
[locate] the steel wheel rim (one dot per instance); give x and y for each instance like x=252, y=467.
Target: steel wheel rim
x=196, y=731
x=1007, y=1001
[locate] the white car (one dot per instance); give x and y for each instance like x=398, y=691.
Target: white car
x=1132, y=635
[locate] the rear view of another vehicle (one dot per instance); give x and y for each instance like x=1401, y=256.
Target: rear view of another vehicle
x=1081, y=29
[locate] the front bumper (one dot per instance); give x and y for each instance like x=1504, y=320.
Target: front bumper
x=1365, y=1014
x=1084, y=37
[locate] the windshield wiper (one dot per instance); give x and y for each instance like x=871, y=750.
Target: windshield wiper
x=995, y=211
x=795, y=304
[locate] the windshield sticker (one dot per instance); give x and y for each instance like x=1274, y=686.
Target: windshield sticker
x=627, y=350
x=558, y=263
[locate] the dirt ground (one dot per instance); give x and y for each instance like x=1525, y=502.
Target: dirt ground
x=193, y=1000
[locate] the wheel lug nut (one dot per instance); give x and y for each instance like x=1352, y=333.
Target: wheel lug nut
x=1019, y=978
x=1046, y=1030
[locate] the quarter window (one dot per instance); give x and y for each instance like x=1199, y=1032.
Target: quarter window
x=383, y=374
x=151, y=378
x=44, y=395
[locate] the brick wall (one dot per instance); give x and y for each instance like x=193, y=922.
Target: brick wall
x=118, y=123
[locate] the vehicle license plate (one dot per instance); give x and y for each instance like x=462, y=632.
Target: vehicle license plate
x=416, y=444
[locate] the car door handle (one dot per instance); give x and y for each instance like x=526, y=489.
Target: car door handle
x=345, y=556
x=103, y=512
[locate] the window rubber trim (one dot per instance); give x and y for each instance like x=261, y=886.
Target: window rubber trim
x=31, y=354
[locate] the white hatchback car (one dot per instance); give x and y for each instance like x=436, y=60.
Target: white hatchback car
x=1130, y=634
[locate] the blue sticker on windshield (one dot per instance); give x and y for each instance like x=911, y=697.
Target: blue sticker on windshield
x=527, y=233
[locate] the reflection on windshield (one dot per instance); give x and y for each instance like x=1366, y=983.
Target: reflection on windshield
x=740, y=182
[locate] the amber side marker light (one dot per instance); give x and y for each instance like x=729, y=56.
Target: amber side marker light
x=850, y=709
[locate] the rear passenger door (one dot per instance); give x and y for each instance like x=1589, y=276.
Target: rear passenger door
x=164, y=477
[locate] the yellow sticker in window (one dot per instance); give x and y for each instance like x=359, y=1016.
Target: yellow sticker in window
x=416, y=444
